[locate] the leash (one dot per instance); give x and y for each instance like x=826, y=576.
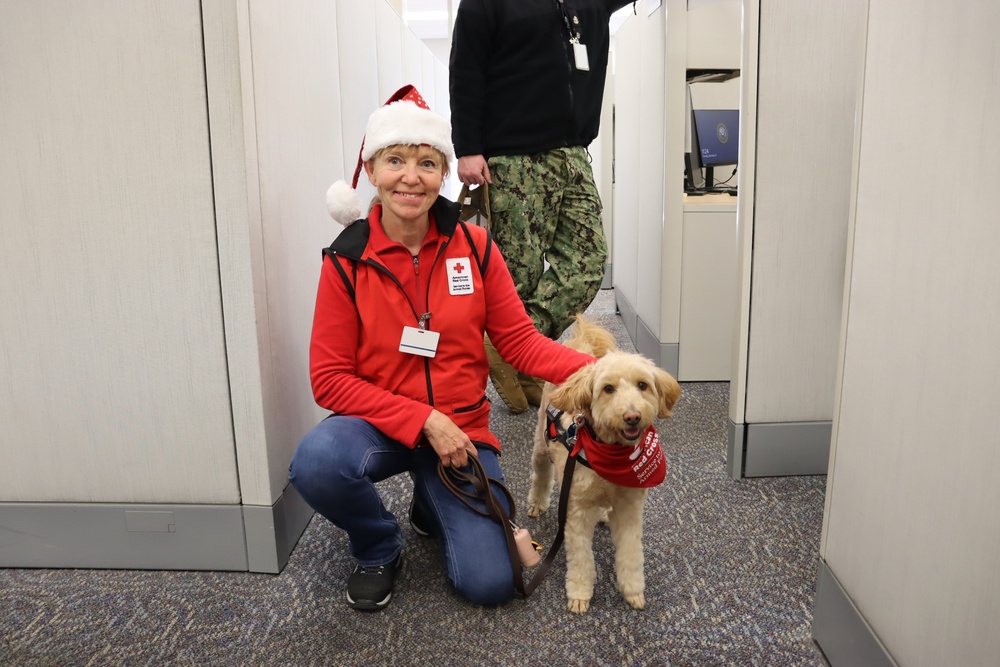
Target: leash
x=483, y=484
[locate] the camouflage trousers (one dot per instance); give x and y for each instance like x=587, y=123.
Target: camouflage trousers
x=545, y=209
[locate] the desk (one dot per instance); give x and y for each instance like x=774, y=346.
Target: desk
x=709, y=288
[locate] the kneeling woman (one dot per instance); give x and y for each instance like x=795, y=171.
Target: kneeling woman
x=404, y=299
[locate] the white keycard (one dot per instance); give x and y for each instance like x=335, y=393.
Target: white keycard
x=580, y=56
x=419, y=341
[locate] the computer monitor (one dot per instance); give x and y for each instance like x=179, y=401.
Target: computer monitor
x=715, y=140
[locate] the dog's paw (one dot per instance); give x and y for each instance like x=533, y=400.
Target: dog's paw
x=537, y=503
x=536, y=510
x=637, y=601
x=579, y=606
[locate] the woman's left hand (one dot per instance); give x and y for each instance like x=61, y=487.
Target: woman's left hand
x=450, y=442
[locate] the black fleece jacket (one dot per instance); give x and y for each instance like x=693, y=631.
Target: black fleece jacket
x=514, y=87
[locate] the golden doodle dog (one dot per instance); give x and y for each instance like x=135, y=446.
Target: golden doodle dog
x=613, y=404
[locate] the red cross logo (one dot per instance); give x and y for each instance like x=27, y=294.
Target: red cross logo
x=458, y=267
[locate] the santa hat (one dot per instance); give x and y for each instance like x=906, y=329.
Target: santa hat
x=405, y=119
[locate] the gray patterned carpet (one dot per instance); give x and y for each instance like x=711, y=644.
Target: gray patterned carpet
x=730, y=579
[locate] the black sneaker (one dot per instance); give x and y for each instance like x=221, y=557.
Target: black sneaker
x=418, y=520
x=370, y=588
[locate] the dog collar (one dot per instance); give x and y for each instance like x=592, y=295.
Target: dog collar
x=567, y=436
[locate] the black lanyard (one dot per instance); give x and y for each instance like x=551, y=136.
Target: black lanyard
x=573, y=32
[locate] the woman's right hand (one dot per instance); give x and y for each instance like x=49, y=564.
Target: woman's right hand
x=450, y=442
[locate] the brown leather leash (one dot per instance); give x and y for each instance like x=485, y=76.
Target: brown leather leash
x=479, y=481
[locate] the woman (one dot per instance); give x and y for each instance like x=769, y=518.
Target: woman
x=404, y=299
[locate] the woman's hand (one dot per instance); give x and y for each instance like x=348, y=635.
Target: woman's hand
x=450, y=442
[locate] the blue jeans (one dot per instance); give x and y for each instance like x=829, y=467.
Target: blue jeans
x=335, y=469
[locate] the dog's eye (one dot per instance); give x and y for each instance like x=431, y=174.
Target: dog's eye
x=642, y=386
x=608, y=389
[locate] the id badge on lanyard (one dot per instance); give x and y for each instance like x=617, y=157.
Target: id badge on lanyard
x=572, y=24
x=580, y=56
x=420, y=341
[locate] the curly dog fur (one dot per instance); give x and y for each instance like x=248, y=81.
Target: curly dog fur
x=619, y=396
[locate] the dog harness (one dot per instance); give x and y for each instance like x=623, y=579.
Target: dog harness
x=642, y=466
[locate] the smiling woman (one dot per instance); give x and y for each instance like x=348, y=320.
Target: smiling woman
x=406, y=296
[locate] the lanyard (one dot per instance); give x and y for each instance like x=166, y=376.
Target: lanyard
x=571, y=30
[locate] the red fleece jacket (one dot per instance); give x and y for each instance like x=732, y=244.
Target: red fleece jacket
x=355, y=362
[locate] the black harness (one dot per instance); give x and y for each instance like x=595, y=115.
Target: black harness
x=567, y=436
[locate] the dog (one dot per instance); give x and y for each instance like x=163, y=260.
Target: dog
x=615, y=400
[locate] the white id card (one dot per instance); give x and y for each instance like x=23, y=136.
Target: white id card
x=419, y=341
x=580, y=56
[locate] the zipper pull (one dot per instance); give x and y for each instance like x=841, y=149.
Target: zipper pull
x=422, y=322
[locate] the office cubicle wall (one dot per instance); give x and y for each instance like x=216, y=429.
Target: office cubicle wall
x=654, y=53
x=164, y=249
x=806, y=64
x=115, y=384
x=911, y=536
x=646, y=227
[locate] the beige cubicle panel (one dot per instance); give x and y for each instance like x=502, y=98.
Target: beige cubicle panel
x=656, y=240
x=115, y=387
x=909, y=574
x=797, y=126
x=165, y=172
x=708, y=288
x=640, y=231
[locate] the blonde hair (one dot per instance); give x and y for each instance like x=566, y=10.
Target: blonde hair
x=410, y=149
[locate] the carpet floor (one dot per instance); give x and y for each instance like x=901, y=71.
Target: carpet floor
x=730, y=580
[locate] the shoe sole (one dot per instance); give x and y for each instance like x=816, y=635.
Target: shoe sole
x=418, y=530
x=368, y=605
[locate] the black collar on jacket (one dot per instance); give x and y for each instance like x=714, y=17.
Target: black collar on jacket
x=352, y=241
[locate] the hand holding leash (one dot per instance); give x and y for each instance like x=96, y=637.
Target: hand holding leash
x=450, y=443
x=523, y=550
x=473, y=170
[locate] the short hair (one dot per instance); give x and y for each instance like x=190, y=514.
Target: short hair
x=410, y=149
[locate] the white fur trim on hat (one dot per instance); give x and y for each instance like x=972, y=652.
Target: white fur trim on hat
x=405, y=123
x=343, y=203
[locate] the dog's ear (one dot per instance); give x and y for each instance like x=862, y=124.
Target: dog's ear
x=668, y=390
x=577, y=392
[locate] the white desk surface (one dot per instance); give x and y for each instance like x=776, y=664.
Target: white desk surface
x=715, y=201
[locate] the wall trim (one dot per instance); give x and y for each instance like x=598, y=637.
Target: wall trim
x=272, y=532
x=839, y=629
x=773, y=449
x=607, y=283
x=736, y=434
x=627, y=313
x=150, y=536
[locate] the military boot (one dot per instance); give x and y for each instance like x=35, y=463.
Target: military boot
x=505, y=380
x=532, y=388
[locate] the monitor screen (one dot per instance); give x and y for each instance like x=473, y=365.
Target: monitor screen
x=718, y=135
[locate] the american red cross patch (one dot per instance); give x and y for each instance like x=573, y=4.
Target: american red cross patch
x=459, y=276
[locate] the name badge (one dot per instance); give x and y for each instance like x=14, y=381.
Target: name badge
x=460, y=276
x=419, y=341
x=580, y=56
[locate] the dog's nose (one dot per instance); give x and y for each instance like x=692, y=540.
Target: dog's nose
x=632, y=418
